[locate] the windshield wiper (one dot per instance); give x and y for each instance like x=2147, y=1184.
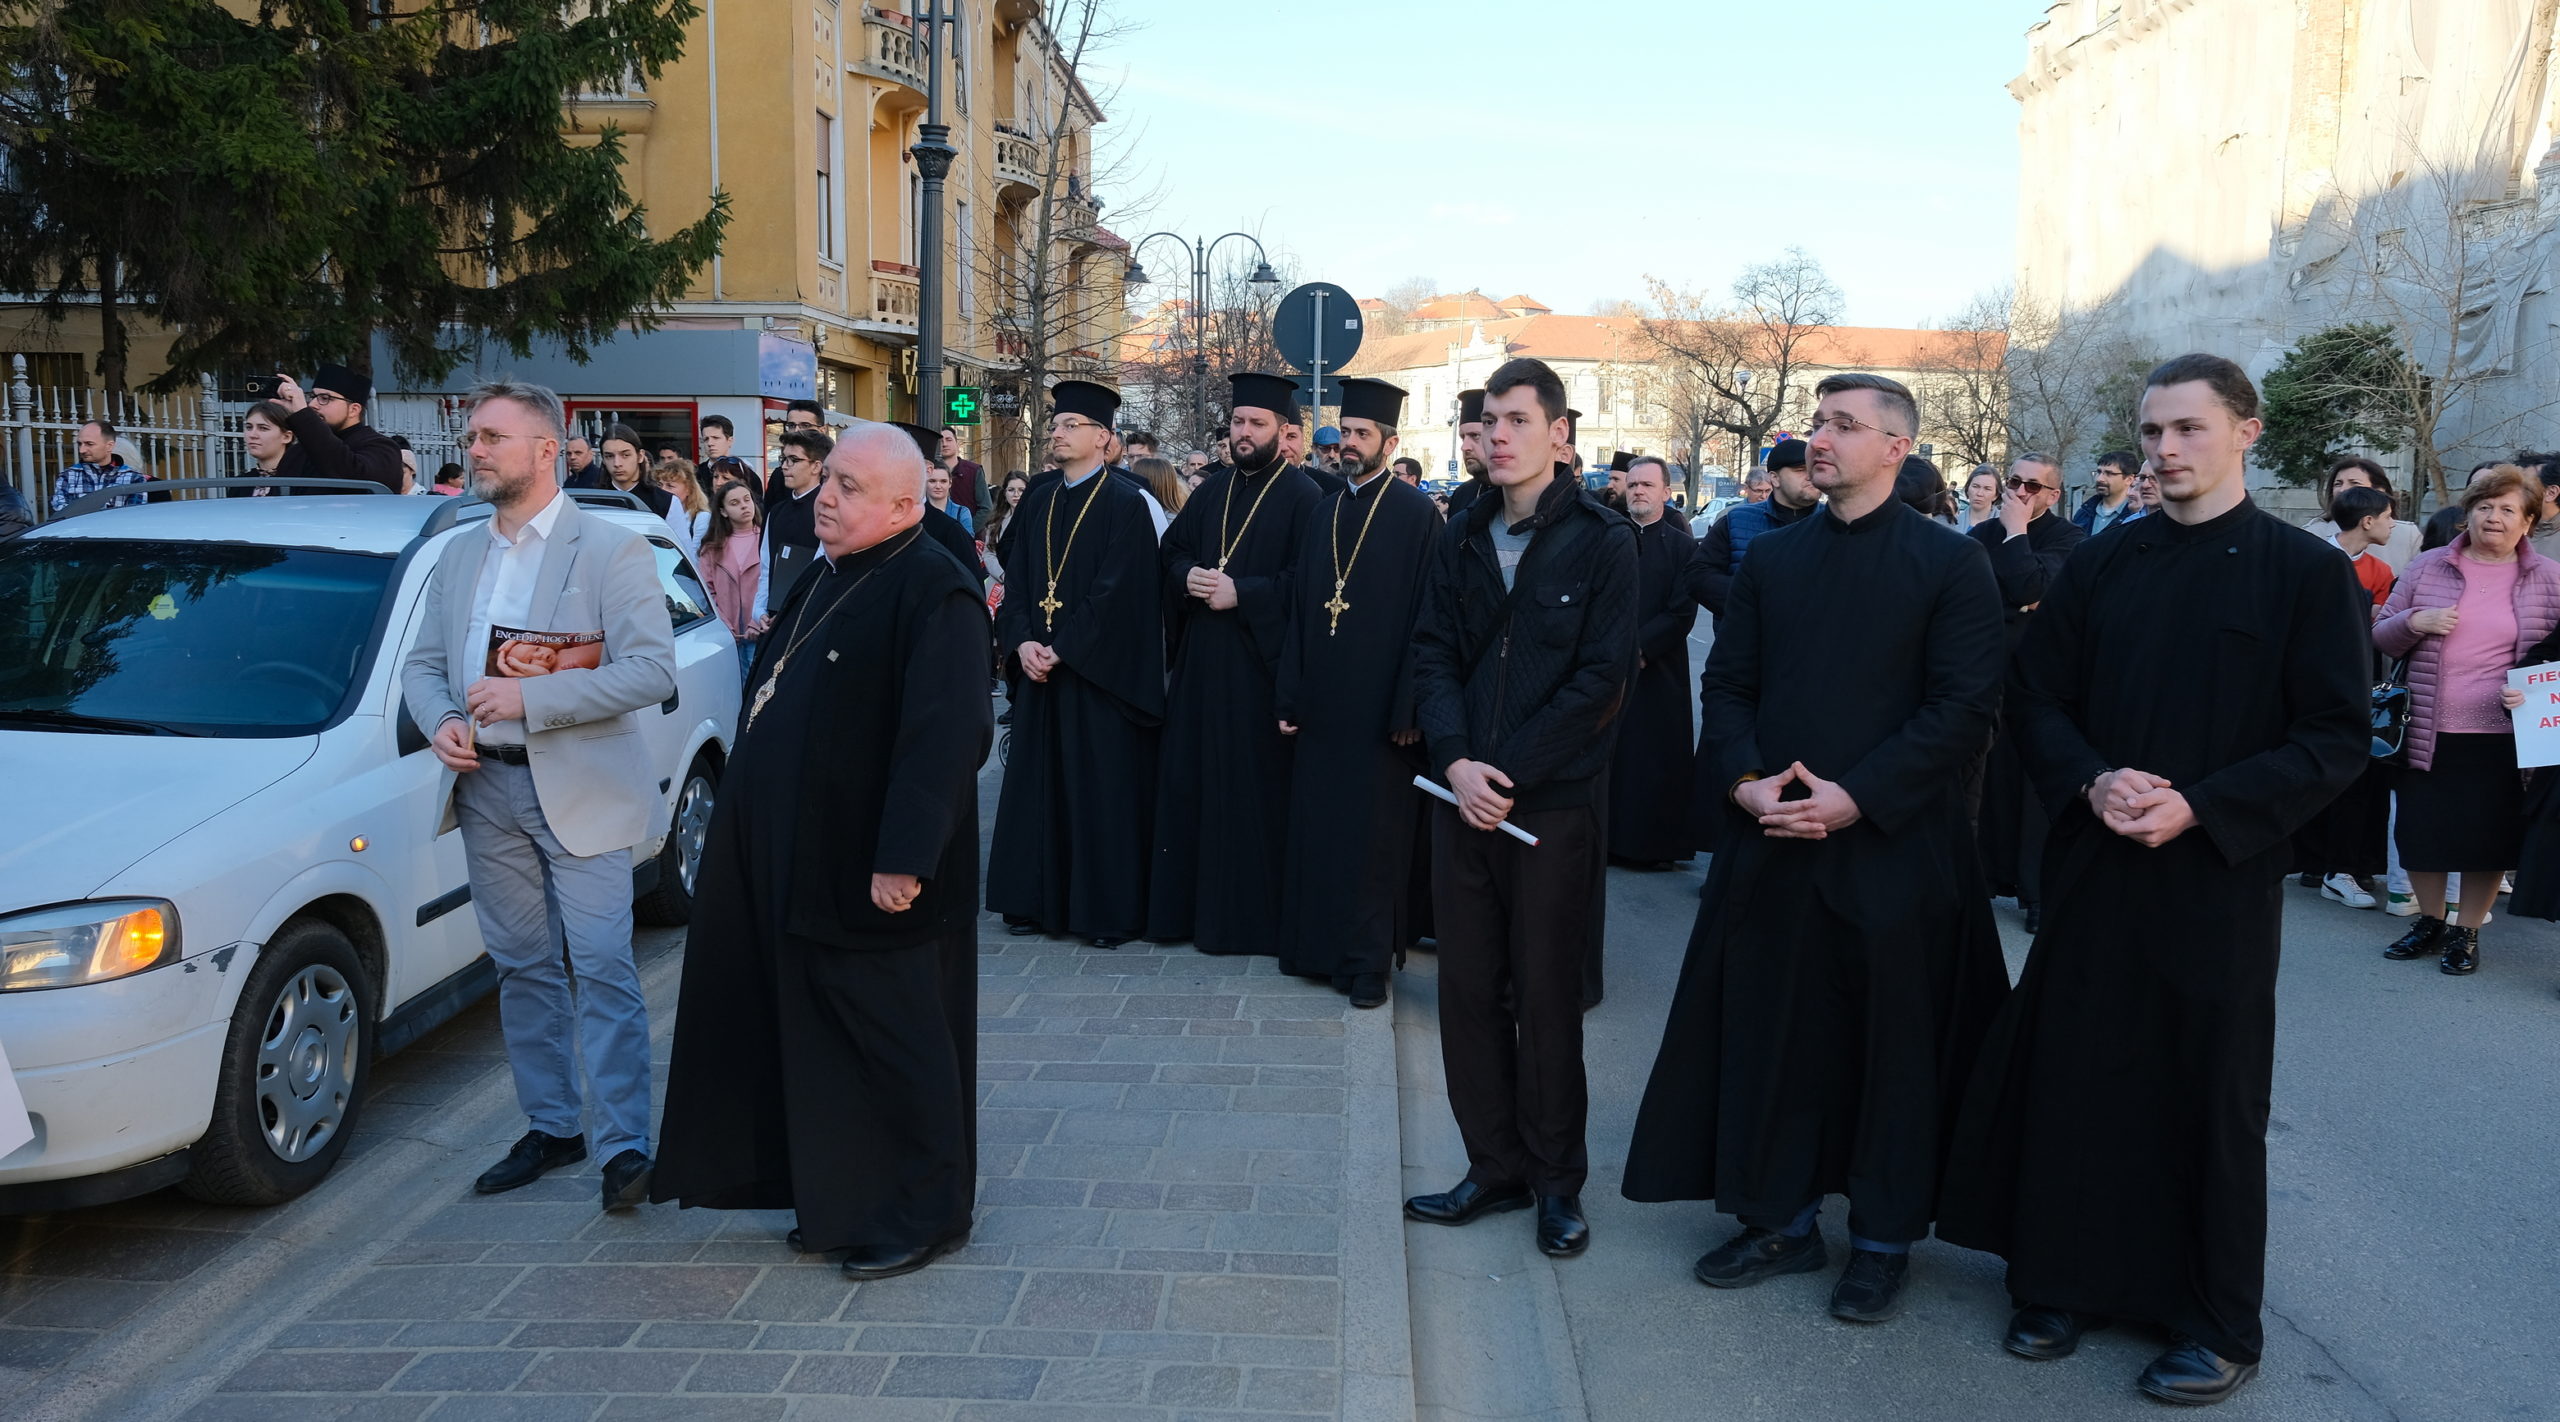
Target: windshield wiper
x=103, y=725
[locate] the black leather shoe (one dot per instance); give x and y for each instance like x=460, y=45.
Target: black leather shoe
x=1758, y=1254
x=530, y=1158
x=1870, y=1289
x=2461, y=952
x=2424, y=937
x=1105, y=941
x=793, y=1241
x=1021, y=927
x=1369, y=990
x=870, y=1262
x=2035, y=919
x=1562, y=1231
x=2045, y=1334
x=2193, y=1375
x=626, y=1179
x=1462, y=1204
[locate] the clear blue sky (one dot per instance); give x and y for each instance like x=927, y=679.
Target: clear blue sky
x=1375, y=140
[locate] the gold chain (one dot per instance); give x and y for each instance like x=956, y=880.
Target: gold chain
x=806, y=626
x=1227, y=547
x=1050, y=602
x=1342, y=570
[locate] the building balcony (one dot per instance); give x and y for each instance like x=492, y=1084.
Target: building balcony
x=1021, y=167
x=895, y=295
x=1076, y=217
x=891, y=55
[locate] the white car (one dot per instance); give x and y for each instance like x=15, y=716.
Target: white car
x=222, y=887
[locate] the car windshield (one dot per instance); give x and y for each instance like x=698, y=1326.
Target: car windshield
x=196, y=639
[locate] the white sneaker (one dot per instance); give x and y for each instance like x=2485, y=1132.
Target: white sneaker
x=2453, y=917
x=2345, y=889
x=2400, y=905
x=2507, y=885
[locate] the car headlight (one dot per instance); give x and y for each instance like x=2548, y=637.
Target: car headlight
x=71, y=944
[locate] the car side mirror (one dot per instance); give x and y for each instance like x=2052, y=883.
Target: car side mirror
x=411, y=739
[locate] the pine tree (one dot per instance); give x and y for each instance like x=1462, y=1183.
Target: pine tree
x=2340, y=389
x=285, y=185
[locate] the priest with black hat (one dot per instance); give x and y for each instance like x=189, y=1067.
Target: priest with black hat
x=1615, y=495
x=1082, y=632
x=1649, y=779
x=1223, y=796
x=941, y=527
x=328, y=427
x=1470, y=454
x=1346, y=695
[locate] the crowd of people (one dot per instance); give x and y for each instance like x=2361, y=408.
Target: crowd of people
x=1262, y=706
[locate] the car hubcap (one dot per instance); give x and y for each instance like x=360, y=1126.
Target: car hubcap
x=693, y=829
x=307, y=1063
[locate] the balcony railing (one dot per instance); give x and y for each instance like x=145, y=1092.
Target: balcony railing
x=1020, y=169
x=894, y=294
x=890, y=51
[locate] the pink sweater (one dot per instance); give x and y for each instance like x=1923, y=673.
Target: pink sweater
x=2440, y=577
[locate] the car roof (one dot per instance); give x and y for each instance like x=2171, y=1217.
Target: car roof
x=357, y=523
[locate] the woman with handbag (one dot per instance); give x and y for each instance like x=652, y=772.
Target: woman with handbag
x=2462, y=615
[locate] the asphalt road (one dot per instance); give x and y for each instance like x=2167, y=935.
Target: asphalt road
x=2410, y=1269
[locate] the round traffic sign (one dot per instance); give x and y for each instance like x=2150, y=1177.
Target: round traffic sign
x=1294, y=325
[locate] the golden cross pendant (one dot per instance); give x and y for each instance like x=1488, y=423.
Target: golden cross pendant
x=764, y=693
x=1337, y=607
x=1049, y=606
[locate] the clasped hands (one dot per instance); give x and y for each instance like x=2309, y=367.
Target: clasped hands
x=1827, y=809
x=2140, y=806
x=1037, y=659
x=1211, y=586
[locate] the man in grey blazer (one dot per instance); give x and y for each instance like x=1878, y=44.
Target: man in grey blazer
x=544, y=635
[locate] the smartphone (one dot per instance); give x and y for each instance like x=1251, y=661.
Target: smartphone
x=263, y=387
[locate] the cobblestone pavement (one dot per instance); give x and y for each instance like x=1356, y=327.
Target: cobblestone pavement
x=1163, y=1150
x=1167, y=1143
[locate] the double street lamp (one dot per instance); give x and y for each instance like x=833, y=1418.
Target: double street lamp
x=1263, y=280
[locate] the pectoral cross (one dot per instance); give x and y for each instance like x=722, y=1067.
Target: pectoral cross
x=1049, y=606
x=1337, y=607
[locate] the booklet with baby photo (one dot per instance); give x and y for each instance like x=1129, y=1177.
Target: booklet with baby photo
x=516, y=652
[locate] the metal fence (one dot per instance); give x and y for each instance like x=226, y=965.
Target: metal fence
x=189, y=434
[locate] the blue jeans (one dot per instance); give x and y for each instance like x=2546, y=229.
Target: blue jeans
x=521, y=878
x=746, y=662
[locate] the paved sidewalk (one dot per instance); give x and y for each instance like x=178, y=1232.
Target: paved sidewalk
x=1171, y=1146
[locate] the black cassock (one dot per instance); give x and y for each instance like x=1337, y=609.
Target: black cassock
x=2011, y=826
x=826, y=1050
x=1074, y=823
x=2113, y=1145
x=1222, y=800
x=1346, y=900
x=1836, y=989
x=1649, y=778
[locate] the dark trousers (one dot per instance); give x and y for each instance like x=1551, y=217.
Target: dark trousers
x=1515, y=927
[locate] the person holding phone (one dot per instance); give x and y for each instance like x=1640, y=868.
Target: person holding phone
x=328, y=425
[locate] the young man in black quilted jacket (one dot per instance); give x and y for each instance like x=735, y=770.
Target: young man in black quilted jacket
x=1522, y=654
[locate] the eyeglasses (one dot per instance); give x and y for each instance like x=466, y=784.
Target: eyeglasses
x=1842, y=426
x=2146, y=477
x=2015, y=483
x=323, y=397
x=1070, y=422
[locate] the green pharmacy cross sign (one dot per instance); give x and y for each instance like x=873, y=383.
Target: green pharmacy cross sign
x=962, y=405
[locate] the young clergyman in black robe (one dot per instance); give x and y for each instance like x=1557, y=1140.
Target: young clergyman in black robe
x=1082, y=626
x=1345, y=695
x=941, y=527
x=2193, y=690
x=1522, y=652
x=1222, y=801
x=1649, y=777
x=2028, y=542
x=826, y=1029
x=1470, y=455
x=1844, y=965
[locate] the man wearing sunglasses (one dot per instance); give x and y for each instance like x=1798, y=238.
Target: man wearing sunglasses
x=2027, y=541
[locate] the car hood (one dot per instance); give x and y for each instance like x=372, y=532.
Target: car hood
x=85, y=808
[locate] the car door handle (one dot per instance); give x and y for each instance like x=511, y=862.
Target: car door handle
x=664, y=783
x=674, y=698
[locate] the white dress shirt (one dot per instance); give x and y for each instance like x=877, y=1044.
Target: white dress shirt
x=504, y=597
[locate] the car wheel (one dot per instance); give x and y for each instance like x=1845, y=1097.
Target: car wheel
x=293, y=1072
x=680, y=858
